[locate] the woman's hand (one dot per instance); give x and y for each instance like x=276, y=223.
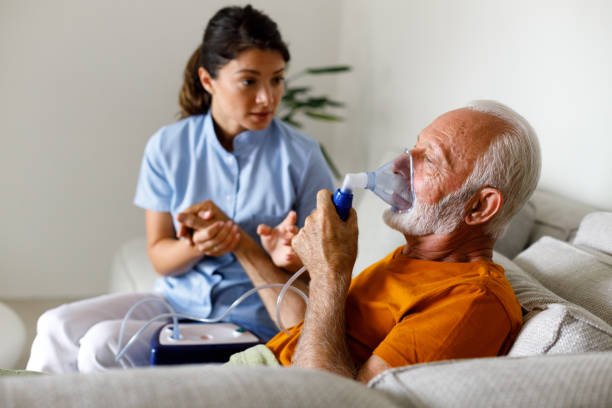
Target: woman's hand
x=277, y=242
x=208, y=229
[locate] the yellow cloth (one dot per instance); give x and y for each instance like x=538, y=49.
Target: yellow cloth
x=254, y=356
x=409, y=311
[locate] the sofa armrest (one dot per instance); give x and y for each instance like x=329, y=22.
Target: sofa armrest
x=131, y=270
x=542, y=381
x=193, y=386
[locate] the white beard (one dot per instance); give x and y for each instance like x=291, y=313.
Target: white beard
x=426, y=219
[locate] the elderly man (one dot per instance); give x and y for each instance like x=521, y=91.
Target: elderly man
x=438, y=297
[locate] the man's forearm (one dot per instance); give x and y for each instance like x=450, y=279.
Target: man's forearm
x=261, y=270
x=322, y=344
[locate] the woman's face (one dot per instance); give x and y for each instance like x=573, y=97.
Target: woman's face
x=246, y=91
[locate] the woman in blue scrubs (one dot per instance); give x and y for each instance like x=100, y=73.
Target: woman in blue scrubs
x=228, y=161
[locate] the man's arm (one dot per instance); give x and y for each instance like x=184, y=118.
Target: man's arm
x=261, y=270
x=328, y=247
x=322, y=343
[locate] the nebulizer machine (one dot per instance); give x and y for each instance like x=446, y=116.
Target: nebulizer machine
x=207, y=340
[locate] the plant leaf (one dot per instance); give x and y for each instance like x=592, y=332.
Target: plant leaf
x=289, y=119
x=316, y=102
x=323, y=116
x=290, y=92
x=333, y=69
x=330, y=162
x=335, y=103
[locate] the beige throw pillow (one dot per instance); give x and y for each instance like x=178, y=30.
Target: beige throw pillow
x=572, y=273
x=552, y=324
x=595, y=233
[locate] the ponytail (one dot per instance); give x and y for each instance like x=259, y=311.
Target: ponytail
x=193, y=99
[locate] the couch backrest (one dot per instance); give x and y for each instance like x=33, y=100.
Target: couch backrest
x=545, y=214
x=566, y=291
x=581, y=380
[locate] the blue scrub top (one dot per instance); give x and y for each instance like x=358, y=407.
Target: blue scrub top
x=269, y=173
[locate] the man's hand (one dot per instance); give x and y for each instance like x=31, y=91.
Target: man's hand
x=208, y=229
x=327, y=245
x=277, y=242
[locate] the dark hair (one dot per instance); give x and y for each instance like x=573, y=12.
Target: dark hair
x=229, y=32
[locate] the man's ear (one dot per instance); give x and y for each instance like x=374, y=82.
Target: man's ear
x=205, y=80
x=483, y=206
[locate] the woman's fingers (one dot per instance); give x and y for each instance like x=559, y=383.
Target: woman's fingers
x=206, y=215
x=290, y=219
x=185, y=233
x=219, y=238
x=228, y=238
x=264, y=230
x=204, y=238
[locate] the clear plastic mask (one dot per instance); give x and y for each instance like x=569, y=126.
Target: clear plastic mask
x=393, y=182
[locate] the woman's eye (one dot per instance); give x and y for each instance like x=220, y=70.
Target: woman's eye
x=278, y=80
x=247, y=82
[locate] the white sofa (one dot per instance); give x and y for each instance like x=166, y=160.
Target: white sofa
x=558, y=257
x=14, y=344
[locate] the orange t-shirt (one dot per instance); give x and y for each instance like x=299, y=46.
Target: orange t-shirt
x=409, y=311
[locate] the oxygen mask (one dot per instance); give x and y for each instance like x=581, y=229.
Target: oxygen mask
x=393, y=182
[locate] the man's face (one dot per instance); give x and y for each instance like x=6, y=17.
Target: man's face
x=443, y=158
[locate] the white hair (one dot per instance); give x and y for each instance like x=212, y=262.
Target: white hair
x=511, y=164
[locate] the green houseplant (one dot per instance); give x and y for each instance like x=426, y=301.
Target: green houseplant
x=299, y=102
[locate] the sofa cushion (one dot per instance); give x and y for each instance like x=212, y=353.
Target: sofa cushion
x=544, y=381
x=552, y=324
x=560, y=329
x=14, y=341
x=131, y=269
x=595, y=232
x=516, y=236
x=557, y=216
x=572, y=273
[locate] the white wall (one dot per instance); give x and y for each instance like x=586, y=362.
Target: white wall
x=549, y=60
x=83, y=84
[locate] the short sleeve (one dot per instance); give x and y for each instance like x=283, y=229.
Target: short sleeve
x=153, y=191
x=316, y=177
x=467, y=322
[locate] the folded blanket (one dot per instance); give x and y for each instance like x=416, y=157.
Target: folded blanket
x=254, y=356
x=4, y=372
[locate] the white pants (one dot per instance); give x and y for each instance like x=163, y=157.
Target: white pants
x=83, y=336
